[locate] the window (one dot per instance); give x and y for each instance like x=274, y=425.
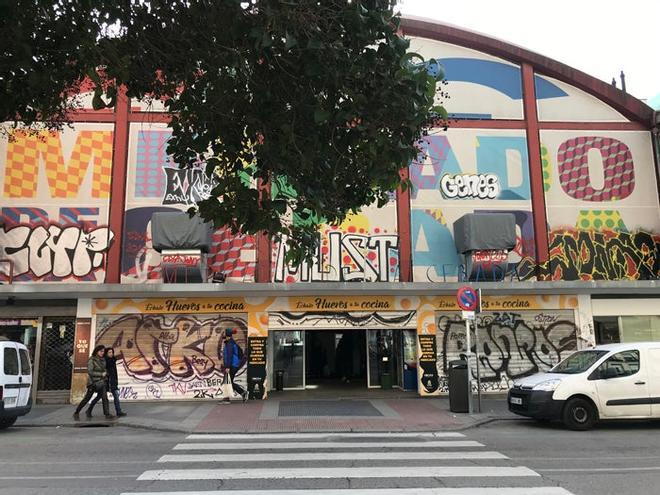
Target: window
x=578, y=362
x=621, y=364
x=25, y=362
x=11, y=361
x=640, y=328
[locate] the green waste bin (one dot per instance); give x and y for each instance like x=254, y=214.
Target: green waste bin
x=385, y=381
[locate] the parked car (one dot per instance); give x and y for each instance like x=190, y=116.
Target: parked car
x=616, y=381
x=15, y=382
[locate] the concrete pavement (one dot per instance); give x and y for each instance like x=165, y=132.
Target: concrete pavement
x=284, y=414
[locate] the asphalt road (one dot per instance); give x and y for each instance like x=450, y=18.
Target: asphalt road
x=509, y=457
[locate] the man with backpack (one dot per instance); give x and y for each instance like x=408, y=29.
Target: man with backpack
x=232, y=355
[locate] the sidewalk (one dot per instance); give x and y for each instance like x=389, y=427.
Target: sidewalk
x=281, y=414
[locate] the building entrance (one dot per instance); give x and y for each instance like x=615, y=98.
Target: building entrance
x=335, y=358
x=355, y=358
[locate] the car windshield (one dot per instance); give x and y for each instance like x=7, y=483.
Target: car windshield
x=579, y=362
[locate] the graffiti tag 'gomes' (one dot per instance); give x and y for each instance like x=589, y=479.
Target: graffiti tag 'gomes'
x=479, y=186
x=60, y=251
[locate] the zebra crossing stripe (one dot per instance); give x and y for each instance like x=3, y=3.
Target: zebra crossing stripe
x=552, y=490
x=331, y=456
x=312, y=436
x=340, y=472
x=326, y=445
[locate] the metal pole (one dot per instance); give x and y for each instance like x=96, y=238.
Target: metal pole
x=469, y=371
x=476, y=351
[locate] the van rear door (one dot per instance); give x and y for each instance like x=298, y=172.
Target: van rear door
x=10, y=374
x=25, y=378
x=654, y=380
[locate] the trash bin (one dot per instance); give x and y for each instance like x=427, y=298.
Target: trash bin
x=279, y=380
x=458, y=386
x=385, y=380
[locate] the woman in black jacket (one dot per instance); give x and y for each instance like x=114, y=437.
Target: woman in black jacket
x=112, y=381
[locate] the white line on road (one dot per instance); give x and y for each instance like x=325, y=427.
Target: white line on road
x=342, y=473
x=309, y=436
x=552, y=490
x=326, y=445
x=330, y=456
x=72, y=477
x=599, y=470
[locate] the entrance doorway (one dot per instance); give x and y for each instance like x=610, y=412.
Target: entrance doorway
x=343, y=359
x=335, y=358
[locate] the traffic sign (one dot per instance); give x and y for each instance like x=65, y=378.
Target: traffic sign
x=469, y=315
x=467, y=298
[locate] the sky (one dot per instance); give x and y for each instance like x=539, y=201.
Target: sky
x=599, y=37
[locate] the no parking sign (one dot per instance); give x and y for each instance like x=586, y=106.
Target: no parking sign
x=467, y=298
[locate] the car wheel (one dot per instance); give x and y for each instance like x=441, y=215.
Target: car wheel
x=7, y=422
x=579, y=414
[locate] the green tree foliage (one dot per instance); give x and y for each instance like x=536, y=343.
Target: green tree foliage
x=323, y=95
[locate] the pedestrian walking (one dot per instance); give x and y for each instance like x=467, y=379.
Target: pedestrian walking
x=232, y=355
x=96, y=375
x=112, y=382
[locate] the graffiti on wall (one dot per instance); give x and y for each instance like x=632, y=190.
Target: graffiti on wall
x=160, y=186
x=605, y=255
x=594, y=244
x=474, y=186
x=173, y=357
x=345, y=258
x=496, y=159
x=55, y=198
x=186, y=186
x=230, y=253
x=60, y=251
x=511, y=345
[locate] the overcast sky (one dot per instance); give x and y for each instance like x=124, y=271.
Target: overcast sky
x=599, y=37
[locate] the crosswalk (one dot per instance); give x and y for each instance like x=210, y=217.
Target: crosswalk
x=425, y=463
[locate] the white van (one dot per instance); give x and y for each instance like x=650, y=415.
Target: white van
x=616, y=381
x=15, y=382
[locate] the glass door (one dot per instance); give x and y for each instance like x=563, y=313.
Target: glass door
x=397, y=358
x=289, y=358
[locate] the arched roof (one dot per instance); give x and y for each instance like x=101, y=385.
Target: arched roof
x=627, y=105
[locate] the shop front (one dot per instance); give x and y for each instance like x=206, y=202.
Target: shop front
x=339, y=350
x=172, y=348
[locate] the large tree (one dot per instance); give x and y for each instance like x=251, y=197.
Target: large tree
x=322, y=96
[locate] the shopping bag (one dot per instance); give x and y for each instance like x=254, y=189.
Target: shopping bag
x=226, y=388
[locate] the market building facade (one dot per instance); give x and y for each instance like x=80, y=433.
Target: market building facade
x=570, y=159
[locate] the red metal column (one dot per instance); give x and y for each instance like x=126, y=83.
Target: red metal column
x=404, y=230
x=535, y=166
x=118, y=188
x=263, y=246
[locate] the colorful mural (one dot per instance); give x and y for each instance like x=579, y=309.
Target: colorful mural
x=602, y=210
x=54, y=205
x=157, y=184
x=365, y=247
x=172, y=356
x=464, y=171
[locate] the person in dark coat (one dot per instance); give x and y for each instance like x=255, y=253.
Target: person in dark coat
x=112, y=382
x=96, y=383
x=231, y=356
